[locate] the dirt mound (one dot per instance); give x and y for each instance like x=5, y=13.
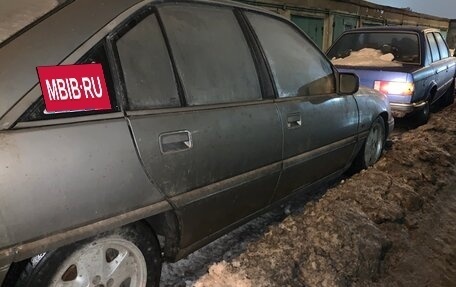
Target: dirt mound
x=370, y=229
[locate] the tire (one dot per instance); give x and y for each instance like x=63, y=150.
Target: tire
x=449, y=95
x=127, y=257
x=373, y=146
x=423, y=115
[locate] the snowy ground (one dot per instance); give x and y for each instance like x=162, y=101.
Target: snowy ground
x=367, y=57
x=15, y=15
x=392, y=225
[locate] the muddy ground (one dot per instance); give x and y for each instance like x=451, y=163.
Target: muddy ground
x=390, y=225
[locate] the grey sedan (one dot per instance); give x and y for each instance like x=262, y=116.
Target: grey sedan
x=138, y=131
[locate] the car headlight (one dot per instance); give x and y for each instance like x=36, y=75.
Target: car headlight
x=394, y=88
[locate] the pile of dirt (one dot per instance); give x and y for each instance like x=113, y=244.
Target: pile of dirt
x=392, y=224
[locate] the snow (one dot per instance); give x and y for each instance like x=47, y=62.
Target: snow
x=367, y=57
x=371, y=229
x=15, y=15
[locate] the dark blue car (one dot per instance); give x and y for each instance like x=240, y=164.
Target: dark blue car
x=411, y=65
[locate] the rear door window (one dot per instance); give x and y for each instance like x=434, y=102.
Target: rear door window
x=211, y=53
x=443, y=49
x=299, y=69
x=433, y=47
x=146, y=67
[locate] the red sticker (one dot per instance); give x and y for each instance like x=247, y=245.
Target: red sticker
x=74, y=88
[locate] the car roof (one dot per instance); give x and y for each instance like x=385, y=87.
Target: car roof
x=57, y=35
x=417, y=29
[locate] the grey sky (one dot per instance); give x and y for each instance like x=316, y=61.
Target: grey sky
x=442, y=8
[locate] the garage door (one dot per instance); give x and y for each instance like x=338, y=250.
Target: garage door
x=313, y=27
x=343, y=23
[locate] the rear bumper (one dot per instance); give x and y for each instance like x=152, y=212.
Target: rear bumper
x=400, y=110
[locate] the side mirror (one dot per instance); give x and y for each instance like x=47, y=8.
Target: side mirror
x=348, y=83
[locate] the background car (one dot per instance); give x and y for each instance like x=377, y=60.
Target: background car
x=411, y=65
x=215, y=112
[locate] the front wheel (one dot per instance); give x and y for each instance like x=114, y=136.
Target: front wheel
x=373, y=146
x=128, y=257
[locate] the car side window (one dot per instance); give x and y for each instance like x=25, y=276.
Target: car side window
x=146, y=67
x=299, y=69
x=443, y=48
x=37, y=111
x=211, y=53
x=433, y=46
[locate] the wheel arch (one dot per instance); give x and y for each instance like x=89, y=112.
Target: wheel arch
x=167, y=229
x=159, y=217
x=431, y=91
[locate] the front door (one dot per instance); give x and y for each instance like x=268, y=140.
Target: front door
x=319, y=125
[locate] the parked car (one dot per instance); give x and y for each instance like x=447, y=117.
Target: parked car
x=133, y=132
x=411, y=65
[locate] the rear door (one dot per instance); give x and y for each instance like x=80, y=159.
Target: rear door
x=203, y=132
x=319, y=125
x=446, y=61
x=438, y=66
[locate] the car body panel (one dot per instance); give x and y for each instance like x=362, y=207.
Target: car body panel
x=338, y=115
x=84, y=180
x=372, y=103
x=215, y=140
x=226, y=142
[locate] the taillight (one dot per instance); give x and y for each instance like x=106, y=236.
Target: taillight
x=394, y=88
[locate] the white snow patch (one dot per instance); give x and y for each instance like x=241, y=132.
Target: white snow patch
x=219, y=275
x=15, y=15
x=367, y=57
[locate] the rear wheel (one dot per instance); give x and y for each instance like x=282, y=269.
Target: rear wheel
x=448, y=98
x=373, y=146
x=423, y=115
x=128, y=257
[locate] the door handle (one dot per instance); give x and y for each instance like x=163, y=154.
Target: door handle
x=294, y=120
x=175, y=141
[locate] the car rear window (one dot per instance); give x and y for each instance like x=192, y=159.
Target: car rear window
x=376, y=49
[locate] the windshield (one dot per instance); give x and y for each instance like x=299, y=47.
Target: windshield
x=16, y=15
x=376, y=49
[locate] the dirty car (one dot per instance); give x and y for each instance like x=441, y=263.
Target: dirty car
x=146, y=129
